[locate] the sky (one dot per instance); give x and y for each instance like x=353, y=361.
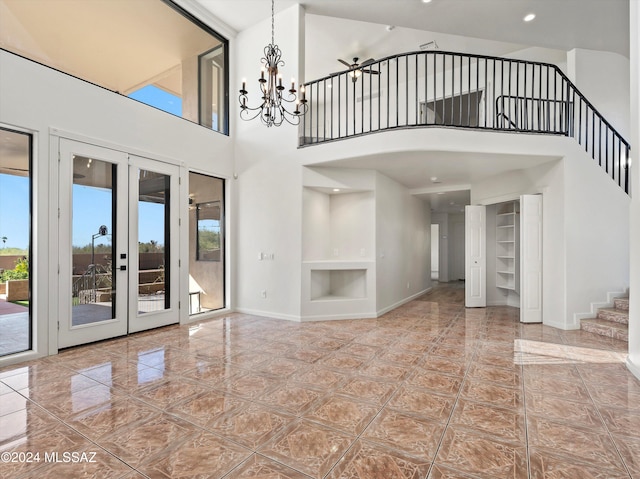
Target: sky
x=154, y=96
x=14, y=211
x=91, y=206
x=91, y=209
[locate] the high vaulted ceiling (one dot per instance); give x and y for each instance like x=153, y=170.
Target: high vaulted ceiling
x=559, y=24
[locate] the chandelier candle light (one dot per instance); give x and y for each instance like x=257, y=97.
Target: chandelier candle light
x=273, y=109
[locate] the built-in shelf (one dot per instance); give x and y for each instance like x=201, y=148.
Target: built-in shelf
x=507, y=237
x=338, y=255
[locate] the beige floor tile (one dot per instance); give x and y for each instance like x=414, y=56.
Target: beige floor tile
x=308, y=447
x=343, y=413
x=430, y=389
x=260, y=467
x=370, y=461
x=481, y=455
x=411, y=435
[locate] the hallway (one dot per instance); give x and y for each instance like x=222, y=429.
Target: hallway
x=430, y=389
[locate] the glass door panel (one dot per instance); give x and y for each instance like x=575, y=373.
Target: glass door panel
x=93, y=204
x=154, y=293
x=153, y=233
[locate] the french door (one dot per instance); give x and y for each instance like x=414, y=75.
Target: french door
x=118, y=233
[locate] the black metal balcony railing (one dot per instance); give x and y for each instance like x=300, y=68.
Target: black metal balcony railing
x=447, y=89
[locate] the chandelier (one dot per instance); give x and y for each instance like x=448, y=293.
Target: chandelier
x=273, y=110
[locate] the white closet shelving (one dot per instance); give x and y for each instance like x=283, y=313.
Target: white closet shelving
x=507, y=246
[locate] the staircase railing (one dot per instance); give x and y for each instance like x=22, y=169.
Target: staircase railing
x=448, y=89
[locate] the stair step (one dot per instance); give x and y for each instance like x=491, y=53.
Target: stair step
x=603, y=327
x=613, y=314
x=621, y=303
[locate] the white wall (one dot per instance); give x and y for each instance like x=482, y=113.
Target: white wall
x=39, y=99
x=403, y=260
x=269, y=196
x=435, y=249
x=456, y=247
x=442, y=219
x=597, y=235
x=330, y=38
x=603, y=78
x=633, y=361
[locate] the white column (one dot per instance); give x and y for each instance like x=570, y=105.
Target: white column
x=633, y=361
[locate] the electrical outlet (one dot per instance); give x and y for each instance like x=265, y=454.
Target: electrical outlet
x=263, y=294
x=363, y=253
x=260, y=256
x=408, y=285
x=336, y=252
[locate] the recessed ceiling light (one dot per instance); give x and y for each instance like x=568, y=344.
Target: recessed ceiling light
x=441, y=193
x=529, y=17
x=336, y=190
x=426, y=1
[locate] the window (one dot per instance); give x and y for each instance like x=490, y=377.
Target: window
x=156, y=56
x=206, y=243
x=209, y=231
x=15, y=241
x=213, y=98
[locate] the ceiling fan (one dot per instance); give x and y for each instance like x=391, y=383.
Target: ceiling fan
x=356, y=69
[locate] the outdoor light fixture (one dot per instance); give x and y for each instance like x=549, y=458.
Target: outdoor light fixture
x=273, y=109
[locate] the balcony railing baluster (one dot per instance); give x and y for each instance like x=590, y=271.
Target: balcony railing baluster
x=509, y=94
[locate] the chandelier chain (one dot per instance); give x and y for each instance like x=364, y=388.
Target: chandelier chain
x=275, y=97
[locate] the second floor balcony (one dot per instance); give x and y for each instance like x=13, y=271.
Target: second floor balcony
x=455, y=90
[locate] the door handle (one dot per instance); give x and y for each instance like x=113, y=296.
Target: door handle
x=123, y=268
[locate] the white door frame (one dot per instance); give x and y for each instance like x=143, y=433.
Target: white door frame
x=125, y=320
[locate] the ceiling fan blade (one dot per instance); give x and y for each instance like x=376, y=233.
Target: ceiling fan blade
x=367, y=62
x=344, y=63
x=15, y=169
x=372, y=72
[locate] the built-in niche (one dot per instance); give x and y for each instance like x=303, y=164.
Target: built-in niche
x=338, y=251
x=338, y=226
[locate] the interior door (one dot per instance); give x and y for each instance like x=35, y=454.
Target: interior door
x=475, y=256
x=153, y=244
x=93, y=214
x=531, y=258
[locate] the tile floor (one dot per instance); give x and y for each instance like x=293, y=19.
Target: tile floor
x=429, y=390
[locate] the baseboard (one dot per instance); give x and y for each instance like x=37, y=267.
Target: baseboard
x=268, y=314
x=382, y=311
x=194, y=318
x=336, y=317
x=497, y=303
x=332, y=317
x=563, y=326
x=635, y=369
x=599, y=305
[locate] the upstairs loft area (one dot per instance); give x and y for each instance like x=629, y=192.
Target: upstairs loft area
x=457, y=90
